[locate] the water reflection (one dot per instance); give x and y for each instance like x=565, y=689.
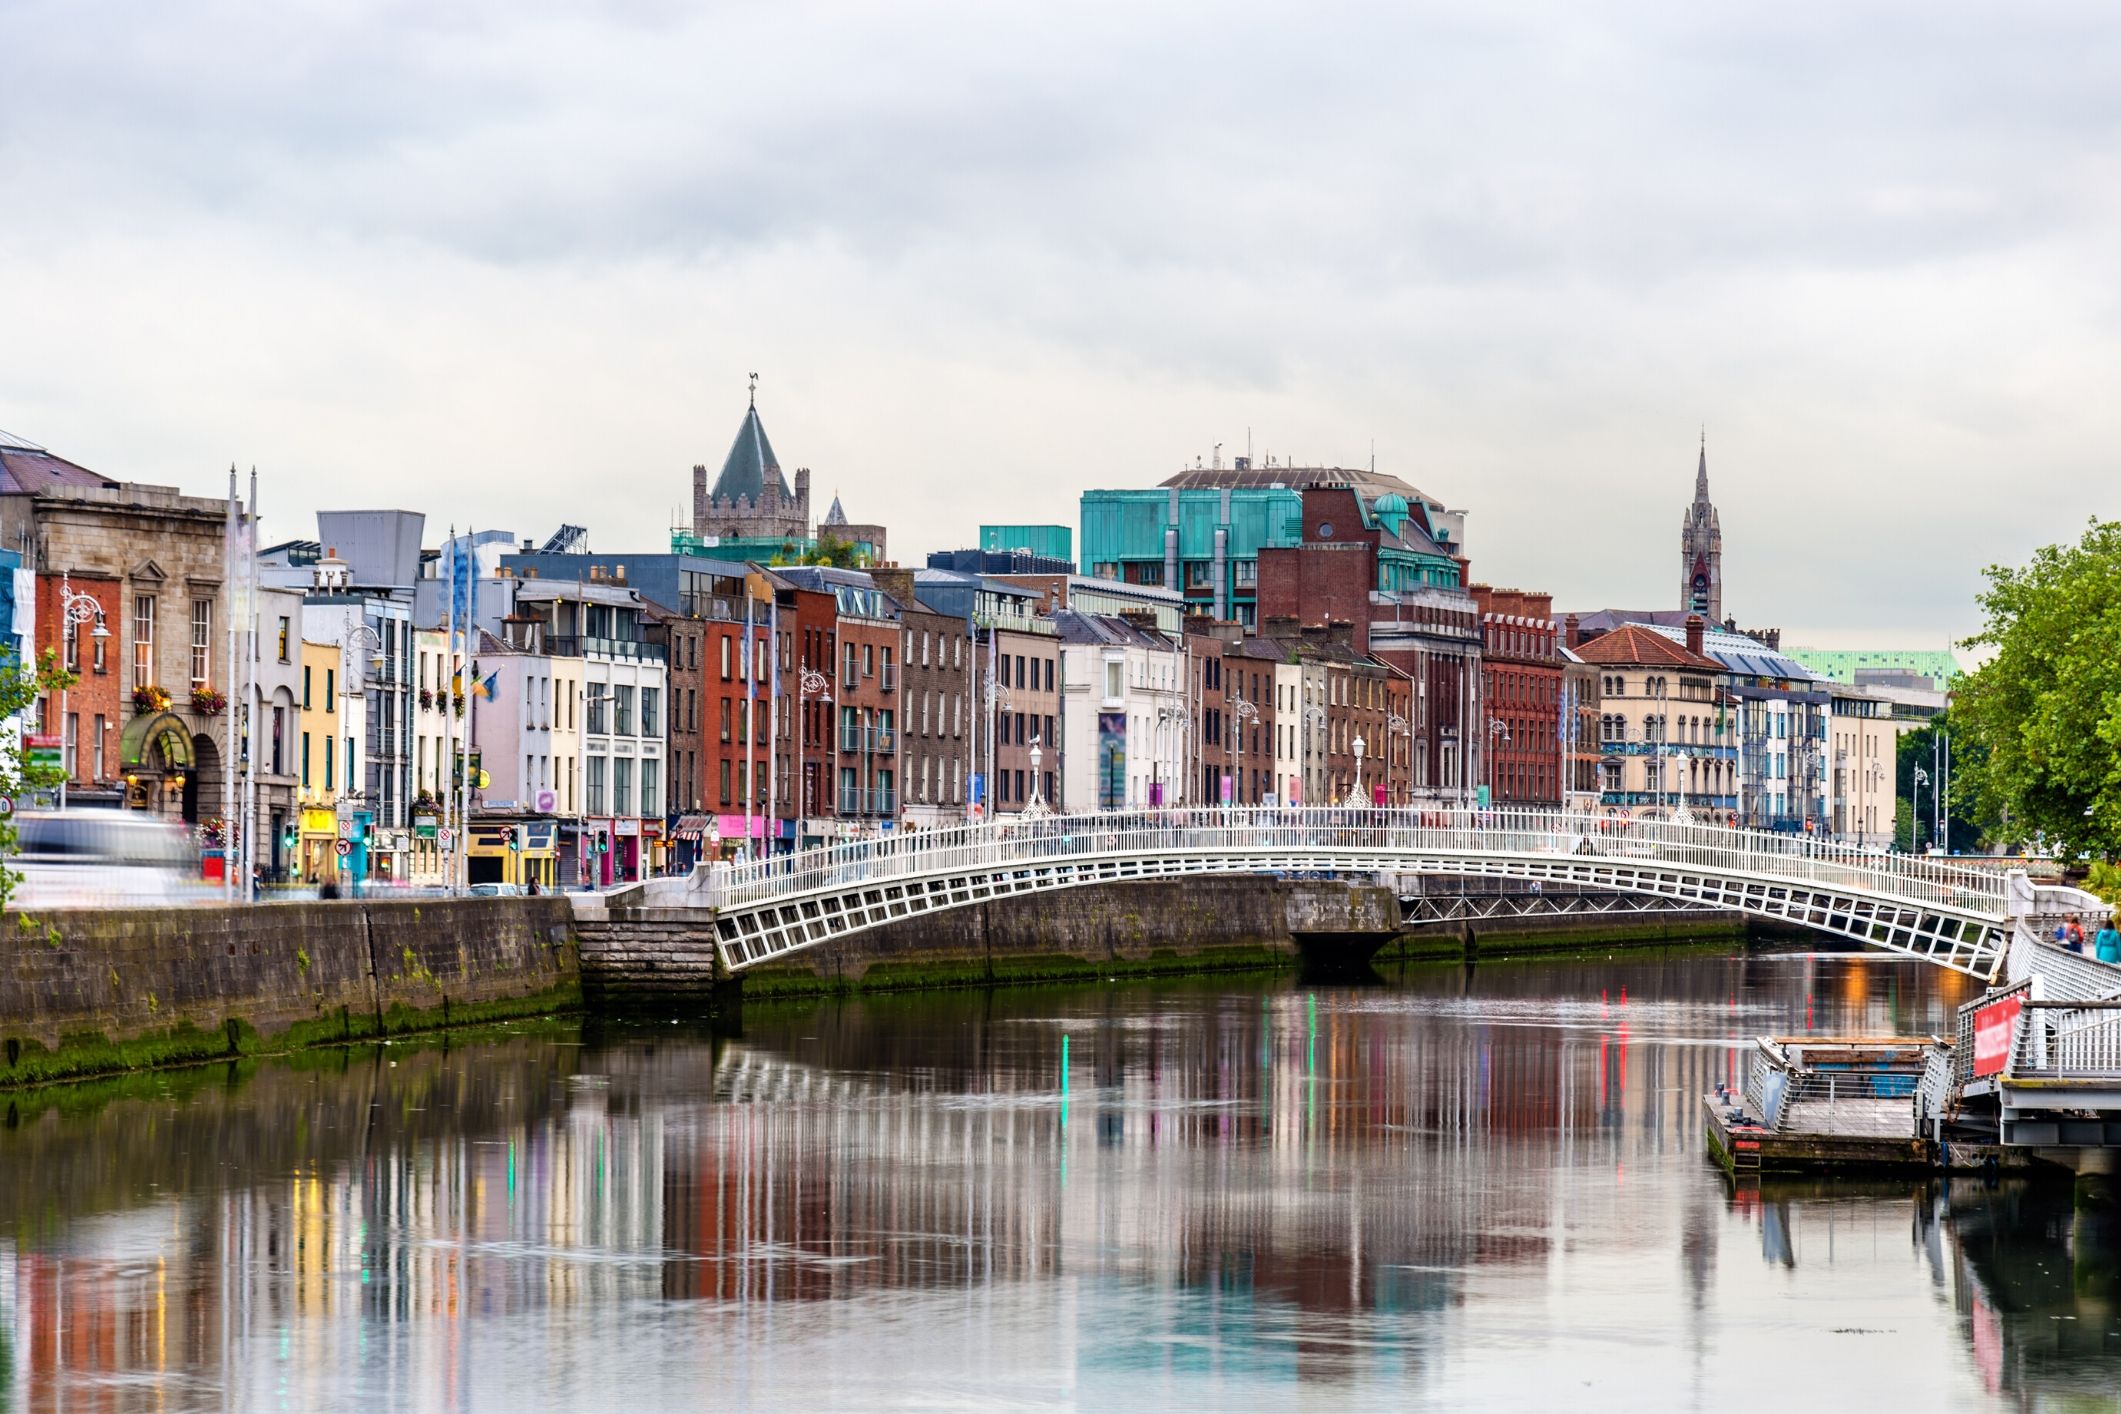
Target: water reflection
x=1462, y=1185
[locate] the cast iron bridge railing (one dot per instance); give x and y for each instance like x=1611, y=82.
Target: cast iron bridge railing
x=1927, y=908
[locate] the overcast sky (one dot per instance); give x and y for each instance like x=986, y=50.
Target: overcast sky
x=510, y=263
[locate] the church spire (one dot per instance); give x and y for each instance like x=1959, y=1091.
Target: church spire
x=1701, y=547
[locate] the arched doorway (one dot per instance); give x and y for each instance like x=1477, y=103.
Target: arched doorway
x=156, y=753
x=202, y=784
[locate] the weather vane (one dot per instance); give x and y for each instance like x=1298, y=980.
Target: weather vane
x=754, y=390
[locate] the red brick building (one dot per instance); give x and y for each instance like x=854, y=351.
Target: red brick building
x=96, y=705
x=1521, y=676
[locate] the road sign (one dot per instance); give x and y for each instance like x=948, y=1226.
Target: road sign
x=7, y=805
x=446, y=836
x=343, y=848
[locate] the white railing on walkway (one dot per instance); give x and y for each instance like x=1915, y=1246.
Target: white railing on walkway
x=1336, y=835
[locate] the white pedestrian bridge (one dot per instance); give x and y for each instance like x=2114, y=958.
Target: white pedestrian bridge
x=1943, y=911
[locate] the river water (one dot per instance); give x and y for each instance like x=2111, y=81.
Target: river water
x=1456, y=1188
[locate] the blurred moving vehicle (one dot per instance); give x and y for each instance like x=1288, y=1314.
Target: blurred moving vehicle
x=496, y=890
x=108, y=858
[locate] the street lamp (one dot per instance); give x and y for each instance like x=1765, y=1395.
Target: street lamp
x=1498, y=731
x=1685, y=816
x=818, y=686
x=1036, y=805
x=1914, y=812
x=1244, y=711
x=1355, y=790
x=74, y=611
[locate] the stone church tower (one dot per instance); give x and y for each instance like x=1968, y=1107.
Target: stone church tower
x=751, y=499
x=1701, y=551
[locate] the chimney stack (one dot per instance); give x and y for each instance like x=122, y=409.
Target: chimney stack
x=1693, y=634
x=1572, y=631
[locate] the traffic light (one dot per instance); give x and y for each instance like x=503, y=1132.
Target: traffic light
x=515, y=838
x=289, y=837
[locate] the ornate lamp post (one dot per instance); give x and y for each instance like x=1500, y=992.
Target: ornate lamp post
x=1355, y=796
x=1036, y=805
x=1685, y=816
x=1244, y=711
x=815, y=686
x=74, y=611
x=1498, y=731
x=1397, y=725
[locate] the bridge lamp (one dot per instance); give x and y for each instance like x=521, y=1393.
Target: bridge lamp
x=1355, y=790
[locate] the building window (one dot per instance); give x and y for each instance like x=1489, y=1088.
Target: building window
x=622, y=711
x=143, y=641
x=202, y=640
x=622, y=787
x=594, y=790
x=725, y=782
x=329, y=779
x=285, y=634
x=96, y=747
x=651, y=707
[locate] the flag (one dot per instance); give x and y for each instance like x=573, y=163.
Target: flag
x=486, y=686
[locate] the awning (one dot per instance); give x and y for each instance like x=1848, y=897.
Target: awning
x=692, y=827
x=157, y=741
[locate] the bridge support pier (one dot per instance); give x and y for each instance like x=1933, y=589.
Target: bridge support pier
x=1339, y=957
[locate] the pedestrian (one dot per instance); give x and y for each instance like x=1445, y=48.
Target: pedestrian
x=2076, y=936
x=2107, y=945
x=533, y=886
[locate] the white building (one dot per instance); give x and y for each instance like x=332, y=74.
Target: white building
x=606, y=676
x=1122, y=684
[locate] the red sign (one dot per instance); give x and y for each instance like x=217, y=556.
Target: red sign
x=1994, y=1026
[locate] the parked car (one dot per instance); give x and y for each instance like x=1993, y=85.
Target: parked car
x=496, y=890
x=108, y=858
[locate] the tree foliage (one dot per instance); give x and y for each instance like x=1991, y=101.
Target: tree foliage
x=2045, y=710
x=21, y=685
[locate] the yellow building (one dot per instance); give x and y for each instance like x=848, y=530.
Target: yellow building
x=319, y=762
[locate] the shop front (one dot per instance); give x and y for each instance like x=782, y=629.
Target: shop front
x=628, y=849
x=741, y=838
x=690, y=841
x=318, y=860
x=519, y=852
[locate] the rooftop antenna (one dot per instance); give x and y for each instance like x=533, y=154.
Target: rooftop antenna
x=1373, y=456
x=1218, y=456
x=1248, y=446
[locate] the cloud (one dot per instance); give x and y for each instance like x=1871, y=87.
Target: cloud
x=506, y=260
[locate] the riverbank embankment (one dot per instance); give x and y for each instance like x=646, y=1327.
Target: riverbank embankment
x=90, y=991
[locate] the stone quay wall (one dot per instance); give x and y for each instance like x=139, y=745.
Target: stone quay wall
x=84, y=991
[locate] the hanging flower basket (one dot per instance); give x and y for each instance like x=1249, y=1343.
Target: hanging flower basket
x=457, y=706
x=150, y=699
x=206, y=702
x=427, y=699
x=213, y=832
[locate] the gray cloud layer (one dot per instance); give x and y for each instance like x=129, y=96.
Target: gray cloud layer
x=512, y=261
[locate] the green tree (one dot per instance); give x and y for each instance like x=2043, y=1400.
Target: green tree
x=1970, y=827
x=2043, y=714
x=20, y=686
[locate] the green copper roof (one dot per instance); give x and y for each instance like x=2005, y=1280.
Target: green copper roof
x=751, y=461
x=1937, y=664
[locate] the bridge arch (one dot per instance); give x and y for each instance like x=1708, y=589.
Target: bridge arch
x=1944, y=913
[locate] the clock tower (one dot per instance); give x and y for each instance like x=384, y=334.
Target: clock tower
x=1701, y=550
